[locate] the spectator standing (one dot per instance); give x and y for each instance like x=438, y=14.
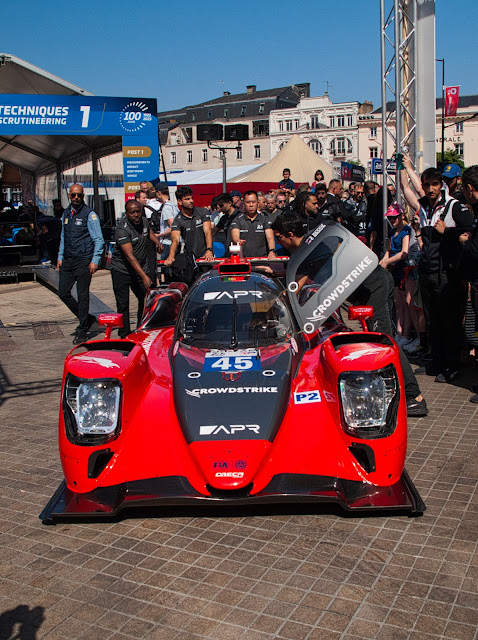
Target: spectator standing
x=251, y=230
x=271, y=205
x=282, y=201
x=162, y=220
x=261, y=202
x=439, y=222
x=318, y=177
x=286, y=184
x=129, y=262
x=451, y=175
x=237, y=200
x=142, y=198
x=334, y=198
x=329, y=209
x=395, y=261
x=81, y=247
x=152, y=203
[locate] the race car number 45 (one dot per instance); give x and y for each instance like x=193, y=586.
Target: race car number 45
x=248, y=362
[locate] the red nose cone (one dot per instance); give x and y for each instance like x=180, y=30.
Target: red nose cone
x=228, y=464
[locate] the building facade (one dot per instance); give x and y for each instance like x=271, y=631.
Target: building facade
x=331, y=130
x=178, y=129
x=461, y=133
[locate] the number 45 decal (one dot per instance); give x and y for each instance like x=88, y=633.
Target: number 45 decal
x=232, y=363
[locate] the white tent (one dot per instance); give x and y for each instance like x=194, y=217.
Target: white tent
x=302, y=161
x=207, y=176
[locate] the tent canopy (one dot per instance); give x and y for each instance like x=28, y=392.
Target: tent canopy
x=302, y=161
x=36, y=154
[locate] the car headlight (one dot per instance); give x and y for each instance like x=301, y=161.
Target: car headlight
x=369, y=401
x=91, y=409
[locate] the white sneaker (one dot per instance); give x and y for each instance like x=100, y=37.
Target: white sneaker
x=412, y=346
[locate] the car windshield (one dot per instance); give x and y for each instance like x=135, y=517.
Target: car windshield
x=235, y=317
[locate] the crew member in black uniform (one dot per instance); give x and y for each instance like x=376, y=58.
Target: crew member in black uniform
x=130, y=261
x=81, y=247
x=252, y=230
x=193, y=224
x=376, y=290
x=222, y=228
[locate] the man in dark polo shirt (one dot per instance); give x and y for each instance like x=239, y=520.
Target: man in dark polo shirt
x=129, y=262
x=251, y=230
x=222, y=228
x=193, y=224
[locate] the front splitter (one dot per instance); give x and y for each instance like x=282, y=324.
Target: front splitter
x=284, y=488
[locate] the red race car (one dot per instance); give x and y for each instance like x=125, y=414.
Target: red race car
x=243, y=390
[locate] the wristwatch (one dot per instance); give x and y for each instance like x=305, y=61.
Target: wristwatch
x=273, y=250
x=210, y=249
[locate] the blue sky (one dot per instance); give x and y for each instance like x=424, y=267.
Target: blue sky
x=192, y=51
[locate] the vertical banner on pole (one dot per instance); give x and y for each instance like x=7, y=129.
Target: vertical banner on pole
x=140, y=162
x=451, y=100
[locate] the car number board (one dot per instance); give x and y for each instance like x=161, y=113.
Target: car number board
x=232, y=360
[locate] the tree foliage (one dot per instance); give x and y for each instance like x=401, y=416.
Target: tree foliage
x=451, y=157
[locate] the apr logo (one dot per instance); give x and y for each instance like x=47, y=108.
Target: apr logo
x=134, y=116
x=229, y=430
x=217, y=295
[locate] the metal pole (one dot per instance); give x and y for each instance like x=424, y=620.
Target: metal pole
x=398, y=92
x=443, y=112
x=224, y=178
x=384, y=123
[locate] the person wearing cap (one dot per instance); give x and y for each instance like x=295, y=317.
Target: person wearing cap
x=451, y=176
x=237, y=200
x=401, y=246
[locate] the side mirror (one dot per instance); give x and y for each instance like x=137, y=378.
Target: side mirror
x=362, y=314
x=110, y=321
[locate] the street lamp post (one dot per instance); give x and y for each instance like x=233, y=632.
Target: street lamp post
x=442, y=60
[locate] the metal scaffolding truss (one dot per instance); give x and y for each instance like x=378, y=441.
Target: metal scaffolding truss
x=398, y=47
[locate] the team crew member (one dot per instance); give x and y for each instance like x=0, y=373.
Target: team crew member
x=252, y=231
x=133, y=236
x=81, y=246
x=223, y=225
x=376, y=290
x=194, y=225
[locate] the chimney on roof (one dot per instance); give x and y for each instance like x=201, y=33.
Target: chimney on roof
x=365, y=107
x=226, y=93
x=251, y=88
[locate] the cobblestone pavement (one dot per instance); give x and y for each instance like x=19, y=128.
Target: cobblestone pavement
x=293, y=573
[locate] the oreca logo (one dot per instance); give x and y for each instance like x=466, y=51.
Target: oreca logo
x=134, y=116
